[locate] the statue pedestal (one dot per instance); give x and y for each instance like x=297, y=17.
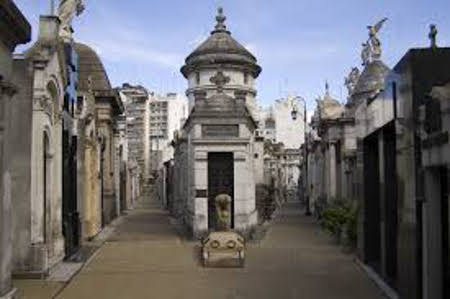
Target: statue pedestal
x=13, y=294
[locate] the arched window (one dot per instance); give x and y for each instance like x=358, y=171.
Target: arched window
x=53, y=94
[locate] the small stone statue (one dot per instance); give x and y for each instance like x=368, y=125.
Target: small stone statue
x=68, y=9
x=223, y=213
x=432, y=36
x=351, y=80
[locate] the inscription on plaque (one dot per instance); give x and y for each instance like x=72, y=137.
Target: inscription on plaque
x=220, y=131
x=201, y=193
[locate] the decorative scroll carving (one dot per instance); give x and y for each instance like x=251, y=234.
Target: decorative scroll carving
x=45, y=104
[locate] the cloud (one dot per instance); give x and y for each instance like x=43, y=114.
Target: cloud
x=120, y=51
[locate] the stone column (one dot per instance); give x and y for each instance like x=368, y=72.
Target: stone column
x=332, y=169
x=199, y=185
x=116, y=168
x=6, y=289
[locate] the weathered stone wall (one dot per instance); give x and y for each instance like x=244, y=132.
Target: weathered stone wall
x=39, y=209
x=15, y=30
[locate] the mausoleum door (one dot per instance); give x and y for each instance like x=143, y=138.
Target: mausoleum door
x=445, y=192
x=220, y=181
x=45, y=183
x=71, y=228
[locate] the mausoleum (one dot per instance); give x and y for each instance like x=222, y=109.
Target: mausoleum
x=216, y=152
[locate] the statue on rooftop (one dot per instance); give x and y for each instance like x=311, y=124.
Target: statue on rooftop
x=375, y=42
x=432, y=35
x=351, y=80
x=67, y=10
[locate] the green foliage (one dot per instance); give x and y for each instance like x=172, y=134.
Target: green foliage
x=340, y=218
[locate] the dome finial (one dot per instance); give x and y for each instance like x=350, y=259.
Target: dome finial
x=220, y=18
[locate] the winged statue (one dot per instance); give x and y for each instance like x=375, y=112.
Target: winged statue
x=67, y=10
x=374, y=40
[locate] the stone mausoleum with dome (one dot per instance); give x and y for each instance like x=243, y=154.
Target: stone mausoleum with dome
x=216, y=151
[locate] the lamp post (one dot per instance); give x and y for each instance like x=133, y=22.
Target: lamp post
x=294, y=113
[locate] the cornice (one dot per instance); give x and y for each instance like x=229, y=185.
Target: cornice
x=210, y=87
x=19, y=29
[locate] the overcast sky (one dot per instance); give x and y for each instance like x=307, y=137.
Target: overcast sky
x=299, y=43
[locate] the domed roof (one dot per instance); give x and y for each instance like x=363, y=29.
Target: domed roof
x=327, y=106
x=220, y=48
x=90, y=70
x=372, y=78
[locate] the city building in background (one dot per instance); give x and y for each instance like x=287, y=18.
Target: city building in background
x=167, y=115
x=276, y=125
x=136, y=100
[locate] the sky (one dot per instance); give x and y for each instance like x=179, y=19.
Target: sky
x=300, y=44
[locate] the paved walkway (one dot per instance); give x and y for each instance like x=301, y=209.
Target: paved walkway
x=146, y=258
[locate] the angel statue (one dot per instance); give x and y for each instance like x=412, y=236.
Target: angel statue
x=352, y=78
x=68, y=9
x=374, y=40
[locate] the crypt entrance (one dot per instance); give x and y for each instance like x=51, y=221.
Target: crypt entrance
x=220, y=181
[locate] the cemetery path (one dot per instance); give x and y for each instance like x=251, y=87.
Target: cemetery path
x=147, y=258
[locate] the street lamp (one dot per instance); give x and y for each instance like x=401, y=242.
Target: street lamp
x=294, y=114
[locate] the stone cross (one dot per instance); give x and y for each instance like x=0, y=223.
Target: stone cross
x=220, y=80
x=432, y=36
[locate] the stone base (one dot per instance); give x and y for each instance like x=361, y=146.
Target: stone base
x=244, y=224
x=38, y=259
x=13, y=294
x=39, y=262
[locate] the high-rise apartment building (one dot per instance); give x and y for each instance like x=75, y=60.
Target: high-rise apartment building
x=167, y=114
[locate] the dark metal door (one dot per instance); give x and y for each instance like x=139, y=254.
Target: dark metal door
x=372, y=232
x=71, y=223
x=220, y=180
x=445, y=232
x=391, y=202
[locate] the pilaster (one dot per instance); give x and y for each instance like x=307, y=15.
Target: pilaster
x=333, y=173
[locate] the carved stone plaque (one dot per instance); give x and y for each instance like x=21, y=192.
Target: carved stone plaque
x=220, y=131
